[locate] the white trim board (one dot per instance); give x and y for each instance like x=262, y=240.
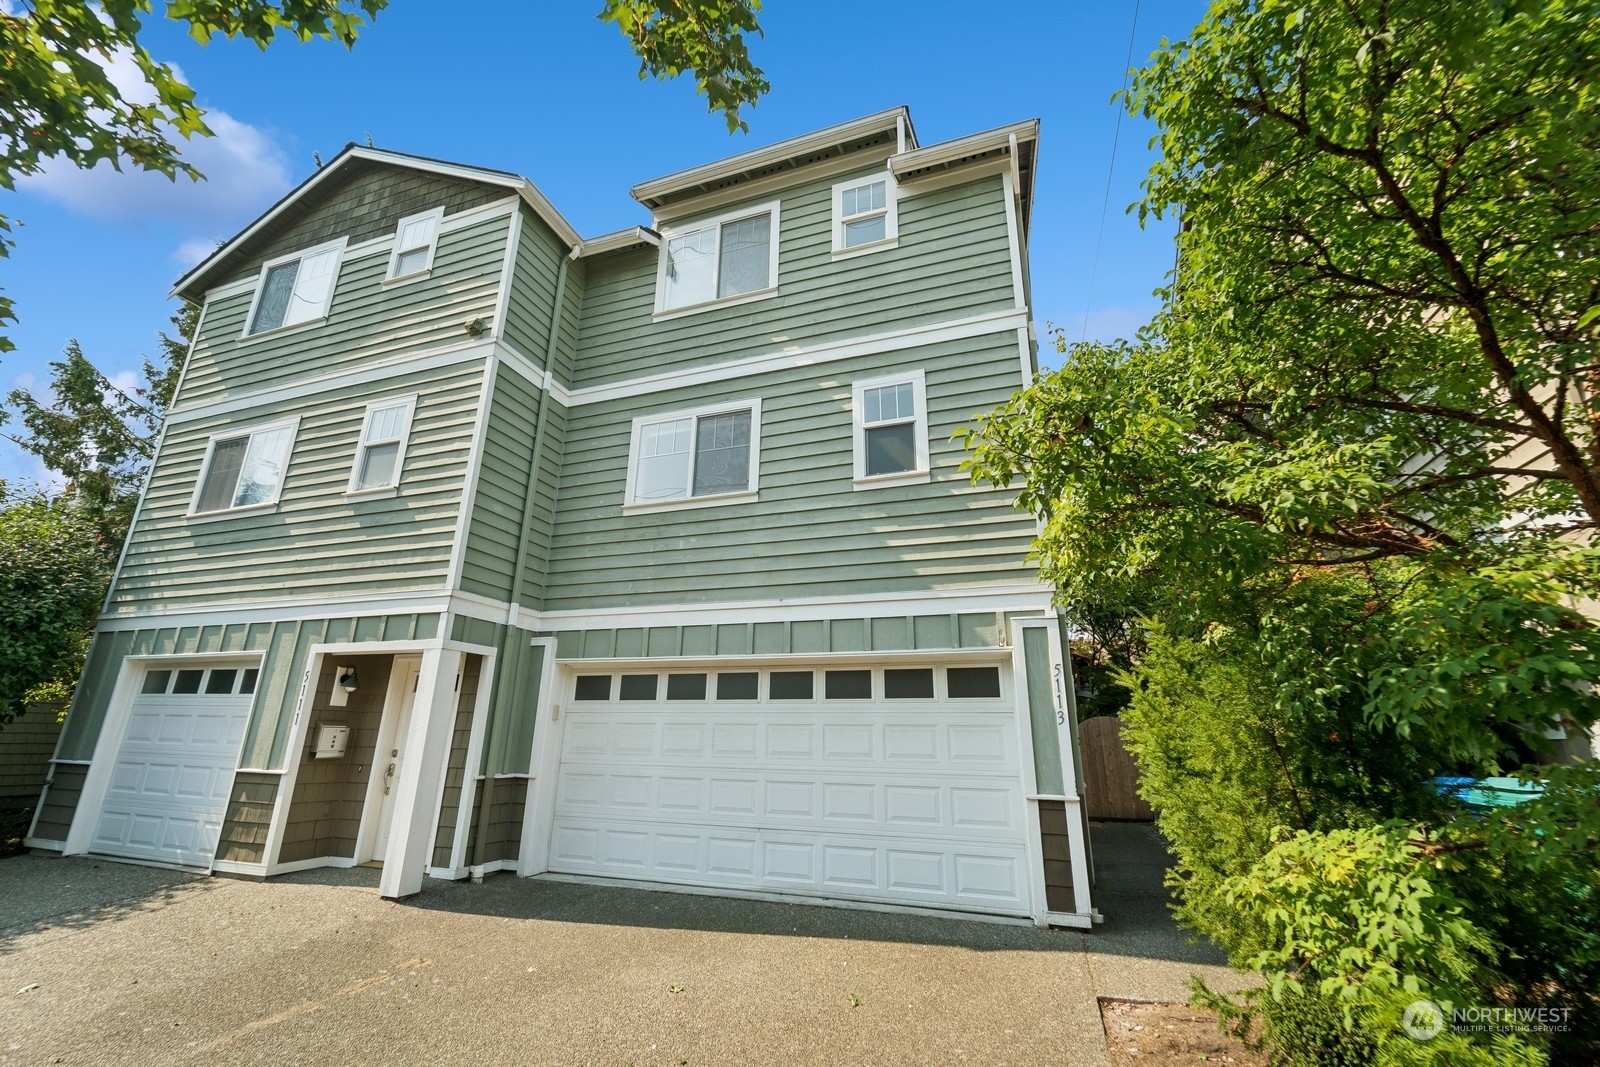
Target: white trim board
x=1000, y=598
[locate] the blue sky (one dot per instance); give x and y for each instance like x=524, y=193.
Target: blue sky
x=548, y=91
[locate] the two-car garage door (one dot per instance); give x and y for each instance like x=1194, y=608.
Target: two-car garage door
x=894, y=784
x=169, y=784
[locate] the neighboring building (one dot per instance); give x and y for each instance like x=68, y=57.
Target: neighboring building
x=471, y=544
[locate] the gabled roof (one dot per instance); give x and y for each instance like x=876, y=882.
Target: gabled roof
x=785, y=155
x=1017, y=142
x=193, y=284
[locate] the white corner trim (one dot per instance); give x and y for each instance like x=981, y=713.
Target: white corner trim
x=1013, y=241
x=502, y=300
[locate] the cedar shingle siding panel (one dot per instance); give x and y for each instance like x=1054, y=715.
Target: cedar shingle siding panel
x=26, y=745
x=366, y=202
x=243, y=838
x=60, y=802
x=456, y=768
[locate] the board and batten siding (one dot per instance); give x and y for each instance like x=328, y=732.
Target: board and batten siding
x=953, y=261
x=367, y=322
x=810, y=533
x=514, y=693
x=316, y=542
x=284, y=647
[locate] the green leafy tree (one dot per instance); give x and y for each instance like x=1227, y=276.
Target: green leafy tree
x=705, y=39
x=97, y=437
x=1350, y=477
x=54, y=566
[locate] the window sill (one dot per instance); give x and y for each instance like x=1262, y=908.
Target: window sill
x=728, y=301
x=279, y=331
x=883, y=481
x=402, y=279
x=747, y=496
x=231, y=513
x=865, y=250
x=380, y=493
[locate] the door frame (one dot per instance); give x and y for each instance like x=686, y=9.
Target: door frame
x=372, y=801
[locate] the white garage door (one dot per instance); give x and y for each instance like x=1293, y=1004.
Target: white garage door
x=892, y=784
x=169, y=785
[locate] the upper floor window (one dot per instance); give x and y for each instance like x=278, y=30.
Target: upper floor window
x=864, y=214
x=692, y=458
x=414, y=242
x=295, y=289
x=244, y=468
x=891, y=430
x=734, y=255
x=379, y=456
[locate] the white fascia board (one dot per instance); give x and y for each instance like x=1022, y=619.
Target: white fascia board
x=614, y=242
x=657, y=188
x=523, y=187
x=972, y=144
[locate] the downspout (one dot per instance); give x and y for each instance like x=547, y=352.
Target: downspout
x=520, y=570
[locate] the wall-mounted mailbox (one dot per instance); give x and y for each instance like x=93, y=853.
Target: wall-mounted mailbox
x=332, y=740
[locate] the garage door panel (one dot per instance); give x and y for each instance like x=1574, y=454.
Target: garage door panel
x=169, y=783
x=915, y=801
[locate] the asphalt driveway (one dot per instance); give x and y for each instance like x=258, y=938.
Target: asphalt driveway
x=104, y=963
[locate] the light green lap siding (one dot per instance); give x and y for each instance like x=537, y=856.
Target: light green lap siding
x=316, y=542
x=286, y=646
x=810, y=533
x=514, y=699
x=900, y=633
x=546, y=494
x=368, y=321
x=533, y=288
x=491, y=552
x=1042, y=711
x=952, y=261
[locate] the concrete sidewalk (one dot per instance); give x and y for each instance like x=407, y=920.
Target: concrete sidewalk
x=103, y=963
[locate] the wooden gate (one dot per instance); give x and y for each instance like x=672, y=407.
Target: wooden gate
x=1111, y=778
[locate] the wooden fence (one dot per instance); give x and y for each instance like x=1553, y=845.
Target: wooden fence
x=26, y=745
x=1111, y=779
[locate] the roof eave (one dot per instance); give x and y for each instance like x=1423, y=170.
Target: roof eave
x=654, y=193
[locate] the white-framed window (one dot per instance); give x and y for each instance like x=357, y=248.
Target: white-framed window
x=695, y=458
x=295, y=289
x=731, y=257
x=415, y=240
x=891, y=430
x=381, y=452
x=865, y=215
x=244, y=469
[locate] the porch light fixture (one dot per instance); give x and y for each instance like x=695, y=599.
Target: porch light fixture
x=347, y=679
x=344, y=683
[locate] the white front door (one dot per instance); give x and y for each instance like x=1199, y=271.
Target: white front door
x=892, y=783
x=169, y=784
x=391, y=751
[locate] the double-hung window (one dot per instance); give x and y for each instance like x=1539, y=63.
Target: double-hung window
x=244, y=468
x=295, y=289
x=695, y=458
x=891, y=430
x=865, y=215
x=732, y=256
x=414, y=242
x=382, y=449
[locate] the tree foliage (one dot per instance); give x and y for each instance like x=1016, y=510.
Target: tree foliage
x=1349, y=478
x=703, y=38
x=53, y=570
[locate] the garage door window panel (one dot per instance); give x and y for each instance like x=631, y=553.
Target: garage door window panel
x=791, y=685
x=738, y=685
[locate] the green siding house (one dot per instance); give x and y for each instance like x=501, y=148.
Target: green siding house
x=472, y=544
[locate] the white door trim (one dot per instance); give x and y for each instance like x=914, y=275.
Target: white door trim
x=538, y=817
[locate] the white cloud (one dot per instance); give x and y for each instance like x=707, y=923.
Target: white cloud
x=193, y=251
x=244, y=166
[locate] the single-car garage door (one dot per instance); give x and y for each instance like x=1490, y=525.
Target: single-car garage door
x=893, y=784
x=169, y=785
